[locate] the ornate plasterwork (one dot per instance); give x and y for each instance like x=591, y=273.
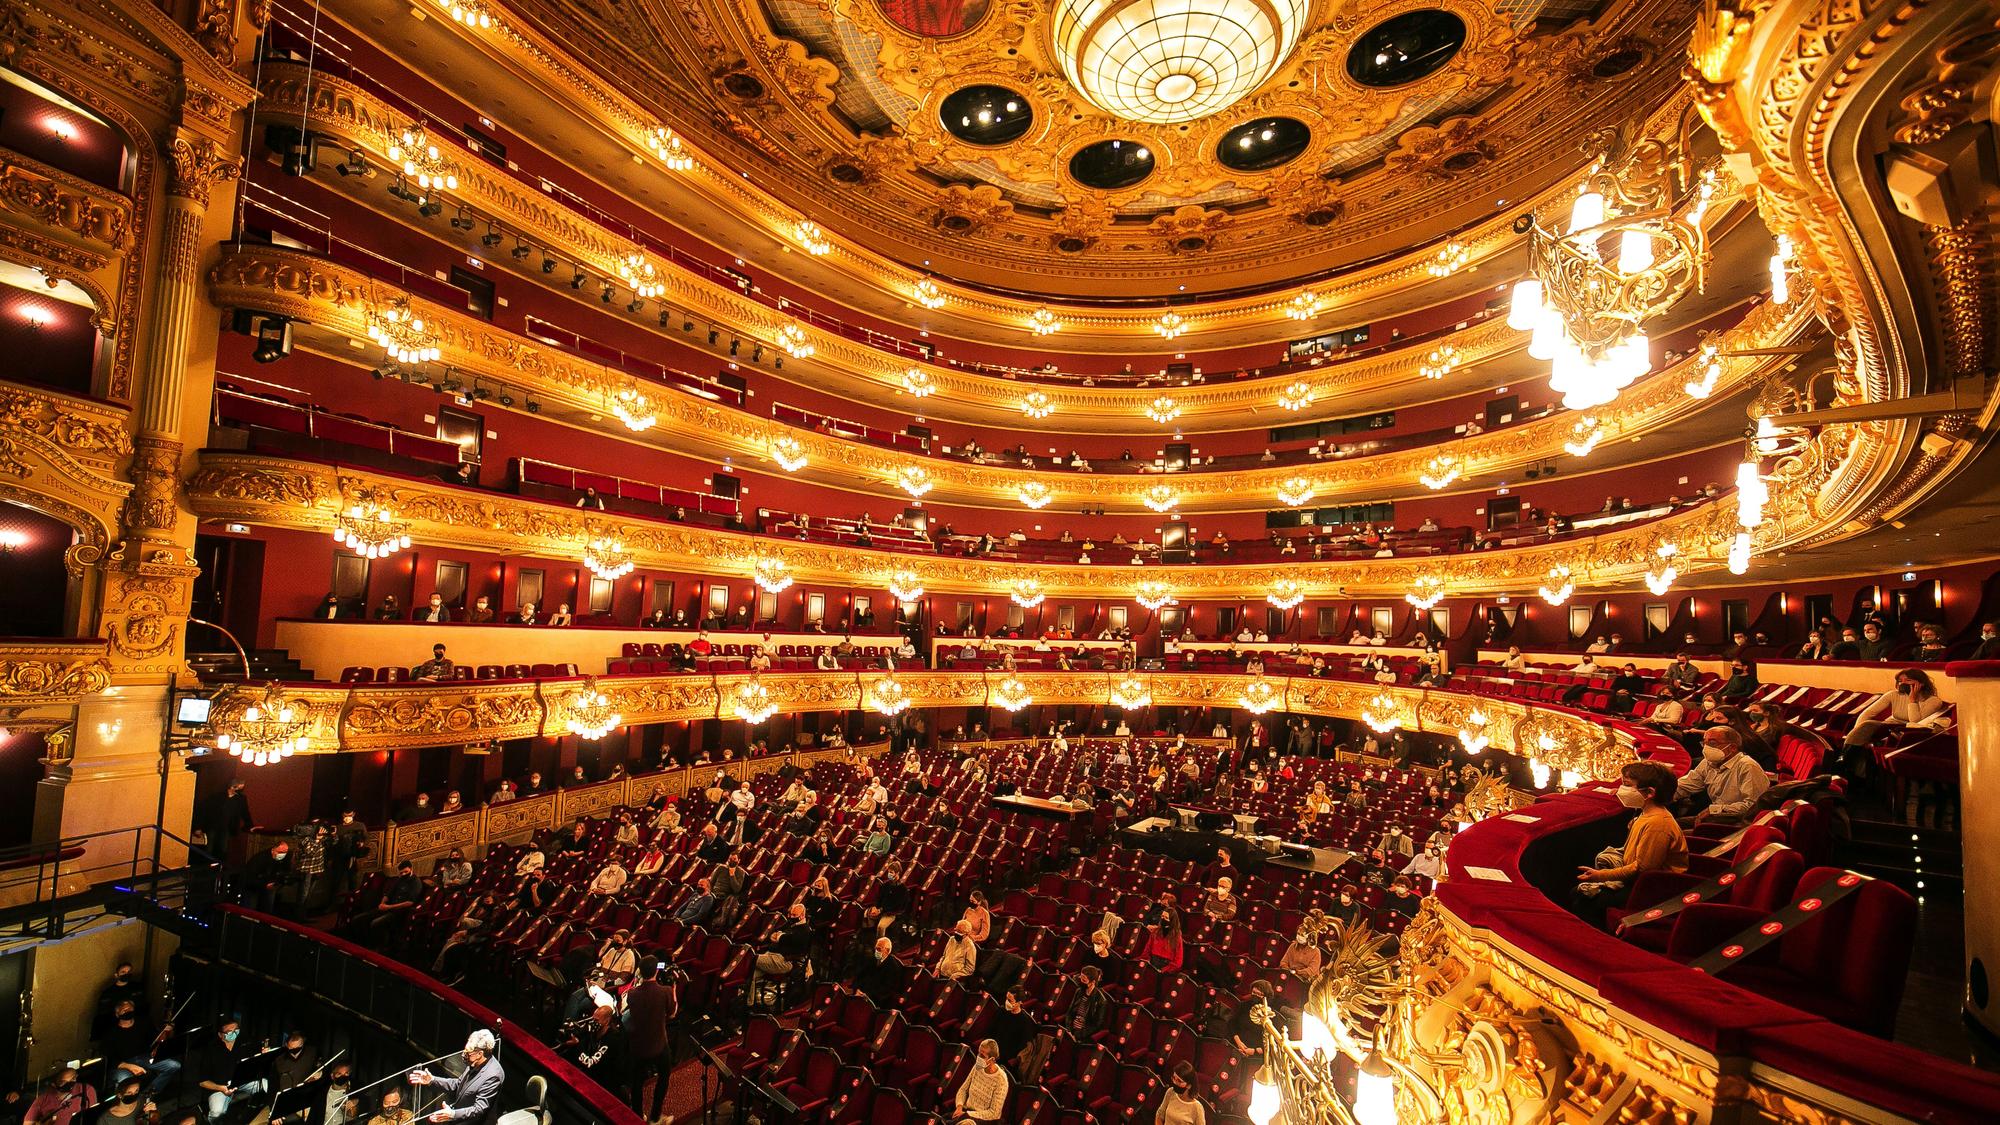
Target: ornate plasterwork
x=61, y=202
x=53, y=671
x=282, y=493
x=319, y=292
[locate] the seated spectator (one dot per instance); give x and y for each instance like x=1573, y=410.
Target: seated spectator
x=438, y=667
x=503, y=793
x=1403, y=897
x=876, y=973
x=481, y=612
x=891, y=899
x=531, y=860
x=1726, y=779
x=1629, y=681
x=1090, y=1009
x=1220, y=903
x=525, y=615
x=978, y=918
x=1912, y=702
x=1428, y=863
x=1681, y=676
x=590, y=500
x=1930, y=644
x=983, y=1094
x=1989, y=643
x=1873, y=646
x=1164, y=949
x=1814, y=648
x=1302, y=957
x=1653, y=842
x=562, y=617
x=434, y=611
x=1514, y=662
x=617, y=958
x=655, y=620
x=390, y=609
x=960, y=955
x=1742, y=681
x=610, y=879
x=453, y=871
x=453, y=803
x=1598, y=647
x=1246, y=1034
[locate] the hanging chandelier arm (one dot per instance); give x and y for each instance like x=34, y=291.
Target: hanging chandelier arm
x=1965, y=394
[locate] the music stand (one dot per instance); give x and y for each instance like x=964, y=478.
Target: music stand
x=254, y=1068
x=307, y=1100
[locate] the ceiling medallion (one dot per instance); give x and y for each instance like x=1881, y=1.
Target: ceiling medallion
x=914, y=480
x=1558, y=588
x=402, y=333
x=926, y=293
x=905, y=586
x=1163, y=410
x=918, y=383
x=771, y=575
x=1449, y=260
x=421, y=161
x=1154, y=595
x=632, y=407
x=1286, y=593
x=607, y=559
x=792, y=339
x=1161, y=498
x=1305, y=306
x=1295, y=396
x=667, y=148
x=1426, y=592
x=810, y=238
x=1441, y=361
x=1584, y=434
x=1295, y=491
x=1035, y=494
x=1025, y=592
x=1440, y=471
x=1627, y=254
x=1170, y=325
x=1042, y=322
x=1166, y=62
x=1035, y=404
x=789, y=453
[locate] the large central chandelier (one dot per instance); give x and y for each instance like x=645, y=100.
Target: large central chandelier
x=1169, y=61
x=591, y=712
x=1035, y=494
x=1026, y=593
x=1294, y=491
x=1632, y=247
x=607, y=559
x=771, y=575
x=1154, y=594
x=370, y=530
x=753, y=702
x=402, y=333
x=270, y=727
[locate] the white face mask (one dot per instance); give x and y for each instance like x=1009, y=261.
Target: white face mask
x=1712, y=755
x=1630, y=797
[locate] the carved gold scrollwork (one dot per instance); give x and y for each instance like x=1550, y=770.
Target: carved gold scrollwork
x=53, y=672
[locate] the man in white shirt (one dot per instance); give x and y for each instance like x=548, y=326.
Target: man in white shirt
x=1597, y=647
x=1246, y=636
x=1728, y=777
x=1426, y=863
x=1587, y=666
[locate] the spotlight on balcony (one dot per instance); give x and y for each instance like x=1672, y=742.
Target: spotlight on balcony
x=577, y=281
x=356, y=164
x=548, y=264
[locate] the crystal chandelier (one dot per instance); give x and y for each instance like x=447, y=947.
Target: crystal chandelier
x=1042, y=322
x=1035, y=494
x=1025, y=592
x=926, y=293
x=1584, y=434
x=1709, y=362
x=639, y=273
x=789, y=453
x=771, y=575
x=1131, y=694
x=1558, y=588
x=792, y=339
x=1259, y=696
x=1286, y=593
x=906, y=585
x=1295, y=491
x=1381, y=713
x=1295, y=396
x=913, y=479
x=1426, y=592
x=1472, y=736
x=607, y=559
x=1163, y=410
x=1010, y=694
x=1441, y=361
x=1659, y=580
x=666, y=145
x=752, y=701
x=370, y=530
x=470, y=14
x=1037, y=405
x=1739, y=553
x=1440, y=471
x=1154, y=594
x=1627, y=254
x=421, y=161
x=887, y=697
x=1160, y=498
x=270, y=727
x=1781, y=272
x=918, y=383
x=591, y=713
x=1450, y=258
x=1165, y=62
x=1170, y=325
x=810, y=238
x=402, y=333
x=1303, y=306
x=634, y=407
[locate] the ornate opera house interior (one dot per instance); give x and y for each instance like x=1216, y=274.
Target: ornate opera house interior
x=1053, y=562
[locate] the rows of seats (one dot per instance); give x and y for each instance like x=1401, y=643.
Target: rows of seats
x=395, y=674
x=648, y=658
x=527, y=471
x=245, y=407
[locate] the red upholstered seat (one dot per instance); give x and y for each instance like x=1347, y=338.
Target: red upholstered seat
x=1764, y=888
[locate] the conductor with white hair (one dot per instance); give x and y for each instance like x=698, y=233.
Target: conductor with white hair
x=473, y=1097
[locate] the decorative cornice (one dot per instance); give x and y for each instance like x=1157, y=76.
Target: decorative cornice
x=52, y=671
x=87, y=430
x=319, y=292
x=305, y=495
x=61, y=202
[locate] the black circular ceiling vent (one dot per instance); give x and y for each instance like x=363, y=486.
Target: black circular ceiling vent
x=1265, y=142
x=1402, y=49
x=1110, y=165
x=985, y=115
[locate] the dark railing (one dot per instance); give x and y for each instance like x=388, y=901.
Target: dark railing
x=58, y=876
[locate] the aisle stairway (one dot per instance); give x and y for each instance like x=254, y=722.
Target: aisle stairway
x=265, y=664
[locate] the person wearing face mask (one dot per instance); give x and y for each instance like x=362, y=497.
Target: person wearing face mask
x=1302, y=958
x=215, y=1066
x=984, y=1092
x=877, y=974
x=1013, y=1028
x=65, y=1096
x=1100, y=956
x=264, y=874
x=392, y=1111
x=341, y=1108
x=1180, y=1105
x=473, y=1097
x=1729, y=780
x=1350, y=909
x=1427, y=863
x=129, y=1102
x=617, y=957
x=1989, y=643
x=1913, y=702
x=131, y=1044
x=294, y=1064
x=1653, y=842
x=1742, y=681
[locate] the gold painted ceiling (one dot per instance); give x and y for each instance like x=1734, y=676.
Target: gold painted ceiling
x=832, y=107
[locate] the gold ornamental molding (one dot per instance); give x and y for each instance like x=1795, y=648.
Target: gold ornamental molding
x=62, y=203
x=57, y=455
x=39, y=672
x=278, y=492
x=322, y=293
